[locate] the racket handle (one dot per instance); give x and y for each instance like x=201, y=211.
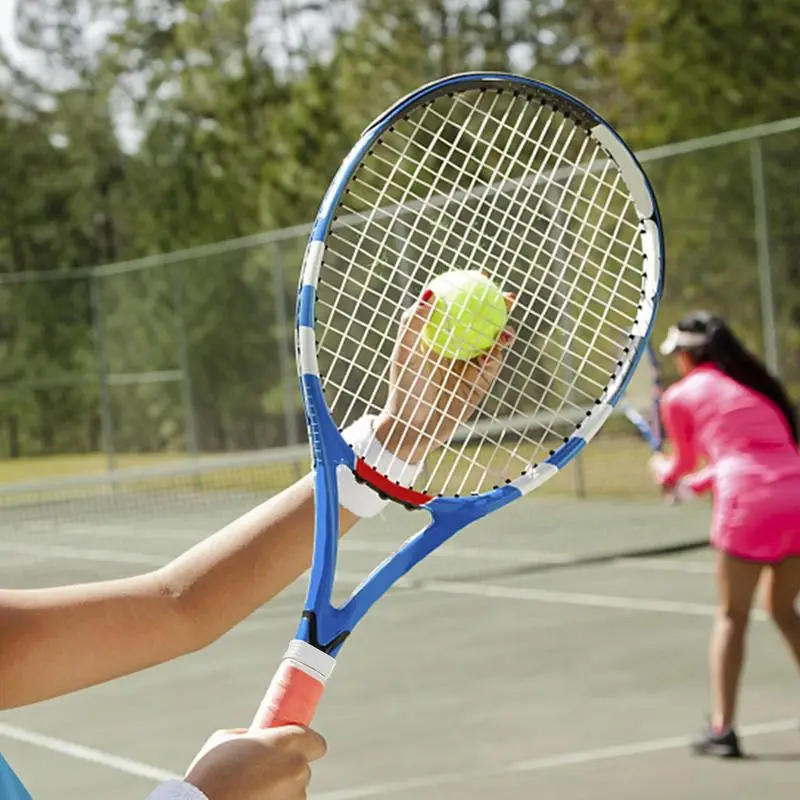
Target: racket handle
x=296, y=688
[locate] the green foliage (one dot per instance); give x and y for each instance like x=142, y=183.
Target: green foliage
x=677, y=69
x=185, y=123
x=689, y=69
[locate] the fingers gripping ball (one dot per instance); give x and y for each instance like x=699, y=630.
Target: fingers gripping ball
x=468, y=314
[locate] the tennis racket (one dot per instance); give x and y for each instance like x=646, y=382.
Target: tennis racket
x=646, y=381
x=500, y=175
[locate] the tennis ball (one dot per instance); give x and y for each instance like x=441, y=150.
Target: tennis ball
x=468, y=314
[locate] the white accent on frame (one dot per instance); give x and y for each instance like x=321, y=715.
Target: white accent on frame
x=535, y=478
x=631, y=173
x=307, y=355
x=313, y=662
x=596, y=421
x=312, y=262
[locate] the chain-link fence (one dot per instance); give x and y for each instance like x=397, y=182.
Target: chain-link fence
x=191, y=353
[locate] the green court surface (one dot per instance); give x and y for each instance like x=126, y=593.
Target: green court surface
x=556, y=650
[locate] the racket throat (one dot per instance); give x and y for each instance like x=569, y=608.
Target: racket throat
x=387, y=489
x=309, y=632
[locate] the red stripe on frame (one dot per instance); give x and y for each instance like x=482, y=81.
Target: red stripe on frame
x=382, y=484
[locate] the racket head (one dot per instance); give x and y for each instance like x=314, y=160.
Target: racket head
x=354, y=256
x=512, y=177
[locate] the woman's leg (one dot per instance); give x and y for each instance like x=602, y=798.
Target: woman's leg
x=736, y=584
x=780, y=597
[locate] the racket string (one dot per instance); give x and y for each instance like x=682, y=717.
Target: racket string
x=556, y=290
x=567, y=351
x=475, y=458
x=387, y=263
x=390, y=320
x=403, y=198
x=575, y=164
x=545, y=240
x=512, y=200
x=384, y=189
x=552, y=220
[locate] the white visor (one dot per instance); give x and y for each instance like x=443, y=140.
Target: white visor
x=678, y=339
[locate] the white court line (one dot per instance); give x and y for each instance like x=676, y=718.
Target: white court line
x=540, y=764
x=18, y=560
x=379, y=548
x=139, y=531
x=467, y=553
x=457, y=552
x=158, y=775
x=585, y=599
x=442, y=587
x=89, y=754
x=666, y=565
x=85, y=554
x=578, y=599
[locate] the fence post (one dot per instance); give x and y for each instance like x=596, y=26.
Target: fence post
x=764, y=264
x=284, y=345
x=187, y=395
x=101, y=360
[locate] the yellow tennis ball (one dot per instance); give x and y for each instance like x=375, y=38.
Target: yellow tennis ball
x=469, y=313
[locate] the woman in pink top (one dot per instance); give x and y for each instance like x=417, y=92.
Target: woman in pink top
x=728, y=411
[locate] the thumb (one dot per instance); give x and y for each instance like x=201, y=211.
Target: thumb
x=294, y=739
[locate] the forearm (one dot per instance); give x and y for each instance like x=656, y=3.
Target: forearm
x=54, y=641
x=58, y=640
x=238, y=569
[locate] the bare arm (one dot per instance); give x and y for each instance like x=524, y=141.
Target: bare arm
x=54, y=641
x=678, y=429
x=701, y=481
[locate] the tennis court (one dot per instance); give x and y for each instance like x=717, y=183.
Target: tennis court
x=555, y=651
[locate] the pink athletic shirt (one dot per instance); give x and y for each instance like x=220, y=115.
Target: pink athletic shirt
x=753, y=463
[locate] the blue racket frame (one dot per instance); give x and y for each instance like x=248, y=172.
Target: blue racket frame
x=324, y=625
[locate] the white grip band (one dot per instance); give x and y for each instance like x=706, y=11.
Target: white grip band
x=359, y=498
x=313, y=662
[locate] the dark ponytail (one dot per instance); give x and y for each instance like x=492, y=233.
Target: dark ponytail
x=726, y=351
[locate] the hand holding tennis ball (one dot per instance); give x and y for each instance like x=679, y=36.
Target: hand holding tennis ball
x=468, y=314
x=430, y=396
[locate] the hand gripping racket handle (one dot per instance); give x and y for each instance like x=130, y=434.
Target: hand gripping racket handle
x=296, y=689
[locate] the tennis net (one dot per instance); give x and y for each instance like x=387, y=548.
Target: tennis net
x=613, y=466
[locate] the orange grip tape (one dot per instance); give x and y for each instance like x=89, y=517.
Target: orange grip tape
x=291, y=699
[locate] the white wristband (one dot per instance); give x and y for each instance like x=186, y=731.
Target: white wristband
x=359, y=498
x=176, y=790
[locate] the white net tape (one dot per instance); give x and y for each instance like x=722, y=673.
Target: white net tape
x=495, y=182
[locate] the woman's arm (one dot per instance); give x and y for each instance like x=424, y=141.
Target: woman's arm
x=701, y=481
x=678, y=430
x=54, y=641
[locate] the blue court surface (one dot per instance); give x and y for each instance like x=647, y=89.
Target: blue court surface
x=556, y=651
